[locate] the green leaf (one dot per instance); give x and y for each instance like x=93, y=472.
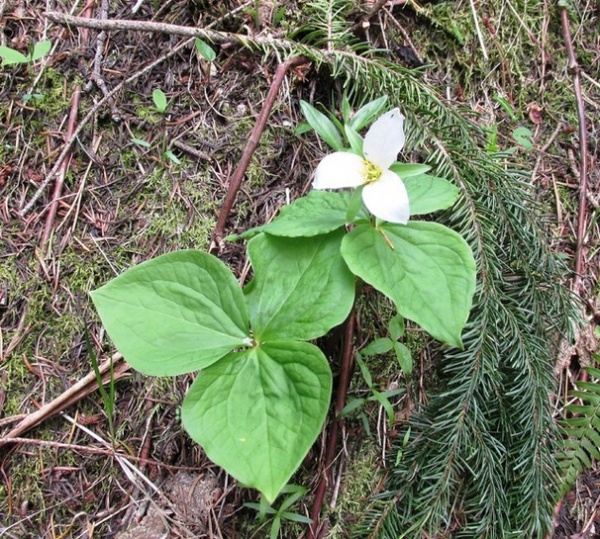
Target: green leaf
x=177, y=313
x=427, y=194
x=523, y=137
x=275, y=526
x=387, y=405
x=205, y=50
x=301, y=128
x=364, y=370
x=41, y=49
x=404, y=357
x=396, y=327
x=256, y=413
x=377, y=346
x=426, y=269
x=174, y=159
x=369, y=112
x=295, y=517
x=301, y=289
x=324, y=127
x=160, y=100
x=141, y=142
x=356, y=209
x=319, y=212
x=406, y=170
x=346, y=109
x=11, y=56
x=354, y=139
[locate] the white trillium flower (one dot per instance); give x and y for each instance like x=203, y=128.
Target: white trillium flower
x=384, y=193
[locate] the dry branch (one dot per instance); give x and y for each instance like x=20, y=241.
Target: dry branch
x=583, y=151
x=74, y=394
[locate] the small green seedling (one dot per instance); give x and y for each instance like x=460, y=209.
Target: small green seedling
x=160, y=104
x=160, y=100
x=264, y=508
x=12, y=56
x=205, y=50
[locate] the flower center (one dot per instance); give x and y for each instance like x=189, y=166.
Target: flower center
x=371, y=172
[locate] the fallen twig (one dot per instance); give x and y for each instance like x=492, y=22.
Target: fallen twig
x=583, y=155
x=62, y=172
x=75, y=393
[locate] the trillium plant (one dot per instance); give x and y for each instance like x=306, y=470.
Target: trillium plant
x=262, y=389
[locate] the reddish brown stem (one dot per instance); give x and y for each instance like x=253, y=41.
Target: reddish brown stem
x=317, y=530
x=261, y=122
x=583, y=156
x=60, y=177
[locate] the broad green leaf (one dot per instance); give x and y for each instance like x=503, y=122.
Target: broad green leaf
x=378, y=346
x=319, y=212
x=426, y=269
x=406, y=170
x=427, y=194
x=11, y=56
x=301, y=289
x=160, y=100
x=205, y=50
x=41, y=49
x=256, y=413
x=322, y=125
x=369, y=112
x=177, y=313
x=404, y=358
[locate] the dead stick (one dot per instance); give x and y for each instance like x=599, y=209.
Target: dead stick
x=64, y=167
x=583, y=158
x=240, y=171
x=170, y=29
x=316, y=531
x=75, y=393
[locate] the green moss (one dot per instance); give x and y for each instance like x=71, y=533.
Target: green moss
x=358, y=483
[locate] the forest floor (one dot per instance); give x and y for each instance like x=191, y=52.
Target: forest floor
x=93, y=181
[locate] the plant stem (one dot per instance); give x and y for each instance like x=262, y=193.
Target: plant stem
x=318, y=529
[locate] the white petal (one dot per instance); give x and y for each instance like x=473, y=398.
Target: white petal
x=339, y=169
x=387, y=198
x=384, y=139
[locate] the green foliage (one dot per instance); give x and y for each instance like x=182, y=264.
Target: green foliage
x=160, y=100
x=263, y=393
x=281, y=513
x=205, y=50
x=580, y=428
x=425, y=268
x=322, y=125
x=38, y=50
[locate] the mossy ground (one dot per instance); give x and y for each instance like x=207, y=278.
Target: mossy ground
x=123, y=204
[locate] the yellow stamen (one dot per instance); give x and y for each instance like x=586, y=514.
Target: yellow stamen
x=371, y=172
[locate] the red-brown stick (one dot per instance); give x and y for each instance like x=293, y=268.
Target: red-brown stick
x=316, y=529
x=261, y=122
x=60, y=177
